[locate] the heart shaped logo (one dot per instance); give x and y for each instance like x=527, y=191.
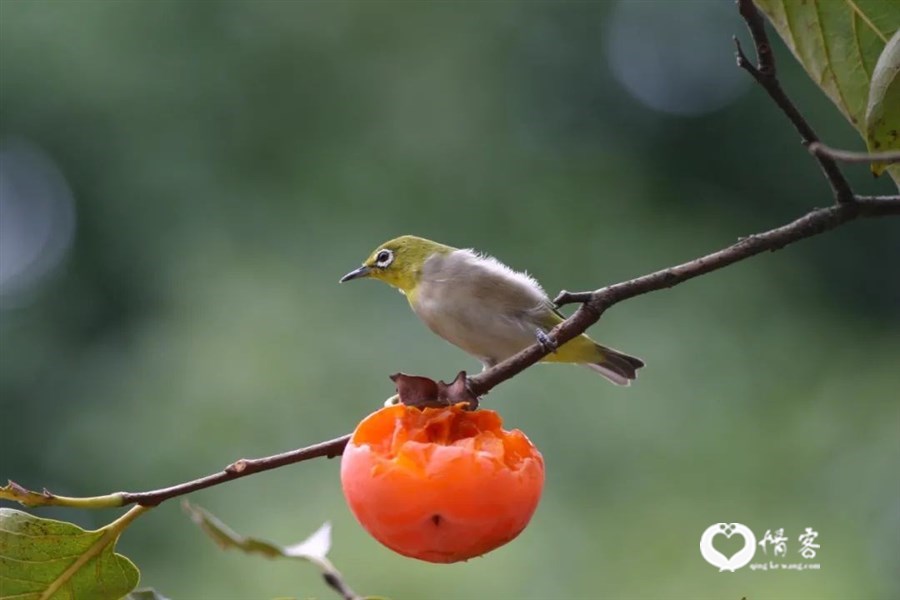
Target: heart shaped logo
x=717, y=559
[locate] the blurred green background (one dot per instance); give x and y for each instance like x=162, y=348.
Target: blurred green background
x=183, y=183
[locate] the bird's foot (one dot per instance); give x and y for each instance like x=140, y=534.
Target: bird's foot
x=545, y=341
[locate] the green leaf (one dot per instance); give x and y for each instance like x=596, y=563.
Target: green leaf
x=53, y=559
x=883, y=110
x=838, y=42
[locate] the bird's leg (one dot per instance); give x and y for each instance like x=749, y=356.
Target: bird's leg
x=544, y=340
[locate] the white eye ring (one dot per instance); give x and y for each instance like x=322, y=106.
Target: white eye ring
x=384, y=258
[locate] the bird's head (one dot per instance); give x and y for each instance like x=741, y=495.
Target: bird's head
x=398, y=262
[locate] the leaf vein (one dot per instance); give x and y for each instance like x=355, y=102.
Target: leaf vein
x=829, y=69
x=854, y=19
x=34, y=561
x=25, y=595
x=862, y=15
x=790, y=27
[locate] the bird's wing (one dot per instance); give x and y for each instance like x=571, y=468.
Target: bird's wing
x=486, y=280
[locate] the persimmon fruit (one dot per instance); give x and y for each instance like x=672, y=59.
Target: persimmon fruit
x=441, y=484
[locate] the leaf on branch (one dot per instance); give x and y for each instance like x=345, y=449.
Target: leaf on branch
x=838, y=42
x=44, y=556
x=314, y=549
x=883, y=110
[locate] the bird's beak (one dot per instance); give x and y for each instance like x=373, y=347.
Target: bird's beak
x=363, y=271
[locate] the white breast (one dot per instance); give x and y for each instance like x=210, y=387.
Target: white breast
x=479, y=304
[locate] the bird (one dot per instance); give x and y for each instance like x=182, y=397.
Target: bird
x=482, y=306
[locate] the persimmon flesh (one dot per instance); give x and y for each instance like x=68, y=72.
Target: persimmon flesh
x=441, y=484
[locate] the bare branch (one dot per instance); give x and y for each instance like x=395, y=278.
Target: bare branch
x=765, y=75
x=820, y=149
x=594, y=304
x=238, y=469
x=757, y=26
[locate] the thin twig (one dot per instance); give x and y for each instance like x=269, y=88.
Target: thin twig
x=888, y=158
x=764, y=73
x=238, y=469
x=757, y=26
x=565, y=297
x=887, y=198
x=595, y=303
x=336, y=581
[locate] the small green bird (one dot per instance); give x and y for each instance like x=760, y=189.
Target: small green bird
x=479, y=304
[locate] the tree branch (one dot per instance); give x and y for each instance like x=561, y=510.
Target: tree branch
x=238, y=469
x=888, y=158
x=766, y=76
x=595, y=303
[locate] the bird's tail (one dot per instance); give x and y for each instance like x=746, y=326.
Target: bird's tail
x=616, y=366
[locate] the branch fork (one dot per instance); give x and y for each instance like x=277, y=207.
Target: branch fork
x=765, y=74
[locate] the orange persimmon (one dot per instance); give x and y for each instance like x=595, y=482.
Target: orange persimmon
x=441, y=484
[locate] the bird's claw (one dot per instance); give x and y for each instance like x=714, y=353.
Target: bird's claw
x=545, y=341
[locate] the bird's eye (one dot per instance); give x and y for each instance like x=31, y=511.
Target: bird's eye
x=384, y=258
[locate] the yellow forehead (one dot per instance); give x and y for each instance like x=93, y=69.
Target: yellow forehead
x=405, y=250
